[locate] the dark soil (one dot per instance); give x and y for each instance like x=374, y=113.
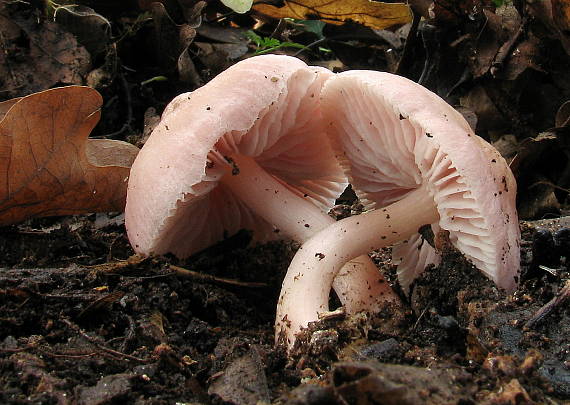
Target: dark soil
x=83, y=321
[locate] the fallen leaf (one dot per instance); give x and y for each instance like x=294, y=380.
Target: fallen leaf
x=48, y=166
x=488, y=116
x=456, y=12
x=221, y=34
x=100, y=304
x=373, y=14
x=91, y=29
x=488, y=44
x=192, y=11
x=555, y=15
x=171, y=45
x=6, y=105
x=526, y=55
x=146, y=4
x=49, y=55
x=243, y=381
x=373, y=382
x=540, y=165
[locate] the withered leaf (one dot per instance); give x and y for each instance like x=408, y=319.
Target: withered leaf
x=171, y=44
x=49, y=55
x=91, y=29
x=374, y=14
x=102, y=303
x=48, y=166
x=6, y=105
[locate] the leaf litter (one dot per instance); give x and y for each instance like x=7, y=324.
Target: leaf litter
x=84, y=321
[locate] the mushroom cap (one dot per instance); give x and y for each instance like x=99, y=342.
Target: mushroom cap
x=392, y=135
x=265, y=107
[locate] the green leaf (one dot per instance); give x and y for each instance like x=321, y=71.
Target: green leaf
x=252, y=36
x=266, y=44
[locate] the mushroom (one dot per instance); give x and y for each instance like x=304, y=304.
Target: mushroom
x=247, y=150
x=414, y=159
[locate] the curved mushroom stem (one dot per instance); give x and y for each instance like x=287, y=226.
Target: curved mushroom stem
x=359, y=285
x=306, y=287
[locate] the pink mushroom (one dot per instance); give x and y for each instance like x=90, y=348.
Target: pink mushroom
x=247, y=150
x=416, y=160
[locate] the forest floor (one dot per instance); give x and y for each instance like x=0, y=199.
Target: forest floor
x=85, y=321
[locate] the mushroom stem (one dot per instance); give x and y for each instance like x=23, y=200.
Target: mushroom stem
x=359, y=285
x=306, y=287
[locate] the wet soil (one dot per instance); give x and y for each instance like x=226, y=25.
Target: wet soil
x=83, y=321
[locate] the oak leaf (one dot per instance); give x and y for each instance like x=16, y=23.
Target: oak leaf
x=48, y=166
x=374, y=14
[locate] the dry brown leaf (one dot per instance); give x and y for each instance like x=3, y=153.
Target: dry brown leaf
x=373, y=14
x=48, y=166
x=454, y=12
x=171, y=45
x=6, y=105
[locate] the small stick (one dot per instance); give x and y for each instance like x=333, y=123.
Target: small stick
x=506, y=49
x=406, y=57
x=547, y=309
x=73, y=355
x=98, y=345
x=180, y=271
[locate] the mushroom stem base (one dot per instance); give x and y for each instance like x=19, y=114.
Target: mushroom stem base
x=316, y=264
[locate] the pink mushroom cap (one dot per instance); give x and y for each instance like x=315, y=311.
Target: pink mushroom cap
x=265, y=108
x=393, y=136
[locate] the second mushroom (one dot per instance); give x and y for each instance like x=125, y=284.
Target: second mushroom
x=413, y=158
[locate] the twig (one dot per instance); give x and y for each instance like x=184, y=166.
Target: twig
x=208, y=277
x=506, y=49
x=70, y=355
x=420, y=317
x=432, y=45
x=309, y=46
x=547, y=309
x=112, y=267
x=98, y=345
x=411, y=40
